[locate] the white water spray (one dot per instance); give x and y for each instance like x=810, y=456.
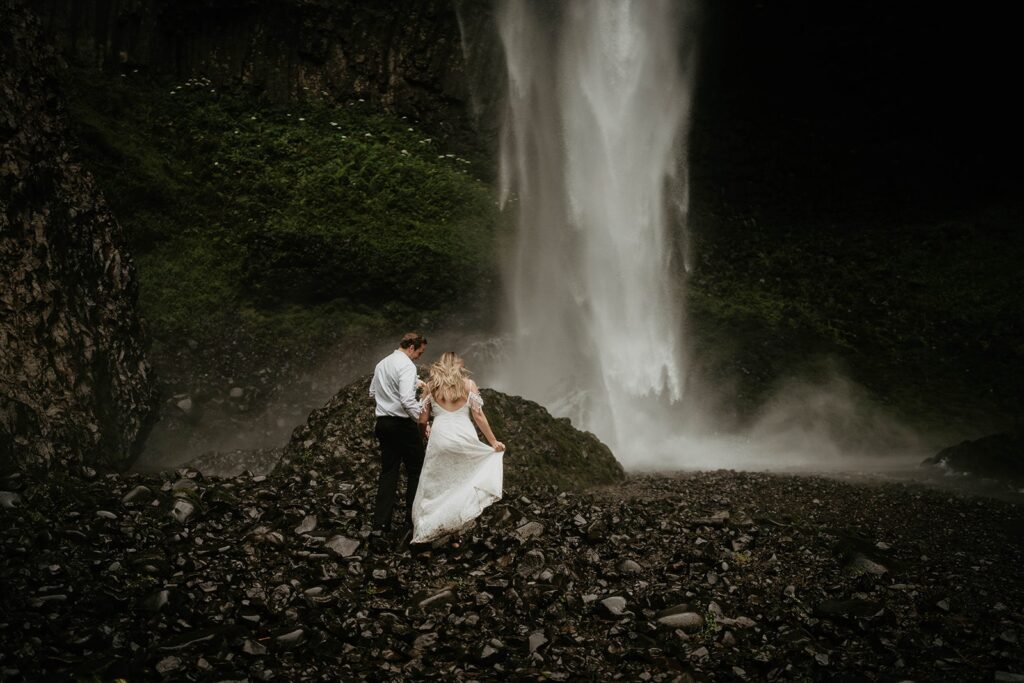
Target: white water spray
x=597, y=111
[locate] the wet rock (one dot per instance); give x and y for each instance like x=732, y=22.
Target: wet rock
x=861, y=564
x=681, y=617
x=528, y=531
x=251, y=647
x=342, y=546
x=436, y=599
x=531, y=564
x=614, y=606
x=290, y=637
x=308, y=524
x=629, y=567
x=168, y=665
x=139, y=494
x=182, y=510
x=157, y=601
x=537, y=640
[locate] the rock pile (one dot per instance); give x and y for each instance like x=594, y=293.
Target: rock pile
x=541, y=449
x=719, y=576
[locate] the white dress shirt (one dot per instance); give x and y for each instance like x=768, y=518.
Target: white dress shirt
x=394, y=386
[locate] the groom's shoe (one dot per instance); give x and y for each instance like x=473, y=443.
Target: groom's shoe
x=376, y=544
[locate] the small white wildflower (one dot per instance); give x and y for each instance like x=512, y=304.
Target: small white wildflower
x=216, y=163
x=361, y=99
x=450, y=156
x=405, y=152
x=440, y=156
x=410, y=130
x=367, y=135
x=334, y=123
x=213, y=90
x=302, y=118
x=252, y=118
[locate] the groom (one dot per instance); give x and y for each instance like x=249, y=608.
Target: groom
x=394, y=389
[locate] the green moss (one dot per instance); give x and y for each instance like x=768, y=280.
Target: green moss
x=924, y=315
x=283, y=224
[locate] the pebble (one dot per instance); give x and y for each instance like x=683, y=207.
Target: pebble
x=182, y=510
x=343, y=546
x=139, y=494
x=168, y=664
x=615, y=605
x=308, y=524
x=629, y=567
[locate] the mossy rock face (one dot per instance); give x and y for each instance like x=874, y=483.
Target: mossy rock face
x=541, y=449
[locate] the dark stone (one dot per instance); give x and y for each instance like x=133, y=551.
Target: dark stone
x=997, y=456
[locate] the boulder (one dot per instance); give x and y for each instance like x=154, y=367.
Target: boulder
x=997, y=456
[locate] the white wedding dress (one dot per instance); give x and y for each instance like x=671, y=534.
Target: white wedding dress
x=461, y=475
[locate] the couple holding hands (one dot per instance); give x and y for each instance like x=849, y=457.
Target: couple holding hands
x=456, y=476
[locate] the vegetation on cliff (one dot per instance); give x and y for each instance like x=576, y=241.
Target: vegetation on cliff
x=287, y=226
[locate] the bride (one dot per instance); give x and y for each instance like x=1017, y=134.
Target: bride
x=461, y=476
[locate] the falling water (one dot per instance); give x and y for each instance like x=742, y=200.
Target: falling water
x=592, y=154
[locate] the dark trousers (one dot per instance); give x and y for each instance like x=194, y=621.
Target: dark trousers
x=400, y=443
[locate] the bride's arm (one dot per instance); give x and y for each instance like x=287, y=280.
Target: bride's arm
x=481, y=420
x=424, y=418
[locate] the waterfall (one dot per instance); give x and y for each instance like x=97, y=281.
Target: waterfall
x=592, y=161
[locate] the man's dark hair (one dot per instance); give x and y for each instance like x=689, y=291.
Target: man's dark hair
x=413, y=340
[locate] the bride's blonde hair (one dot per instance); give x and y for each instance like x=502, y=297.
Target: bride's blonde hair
x=448, y=378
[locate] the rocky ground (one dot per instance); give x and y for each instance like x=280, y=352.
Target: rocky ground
x=718, y=576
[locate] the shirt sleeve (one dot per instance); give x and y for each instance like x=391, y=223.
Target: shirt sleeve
x=407, y=390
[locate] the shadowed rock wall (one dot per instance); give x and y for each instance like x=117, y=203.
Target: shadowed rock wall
x=74, y=383
x=406, y=56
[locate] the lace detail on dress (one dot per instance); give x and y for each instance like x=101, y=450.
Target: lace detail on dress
x=425, y=403
x=475, y=400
